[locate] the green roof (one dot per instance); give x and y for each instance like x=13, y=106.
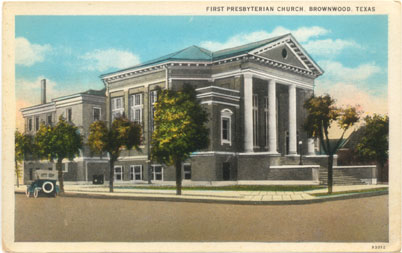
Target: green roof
x=101, y=92
x=87, y=92
x=196, y=53
x=244, y=48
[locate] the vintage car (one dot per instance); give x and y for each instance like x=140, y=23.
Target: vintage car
x=44, y=183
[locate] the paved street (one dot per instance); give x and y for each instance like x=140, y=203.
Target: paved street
x=70, y=219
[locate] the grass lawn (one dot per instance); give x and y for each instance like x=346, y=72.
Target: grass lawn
x=231, y=187
x=349, y=192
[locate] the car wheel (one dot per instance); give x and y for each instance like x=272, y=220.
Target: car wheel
x=27, y=193
x=36, y=193
x=47, y=187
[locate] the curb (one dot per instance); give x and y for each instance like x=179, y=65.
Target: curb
x=219, y=201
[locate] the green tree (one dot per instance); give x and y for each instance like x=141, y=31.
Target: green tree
x=322, y=113
x=179, y=129
x=57, y=143
x=122, y=134
x=374, y=142
x=23, y=146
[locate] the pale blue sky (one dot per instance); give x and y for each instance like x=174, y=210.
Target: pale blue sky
x=73, y=51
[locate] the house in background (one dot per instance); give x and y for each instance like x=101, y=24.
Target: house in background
x=80, y=109
x=254, y=95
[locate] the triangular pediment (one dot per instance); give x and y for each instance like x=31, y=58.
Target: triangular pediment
x=287, y=51
x=283, y=54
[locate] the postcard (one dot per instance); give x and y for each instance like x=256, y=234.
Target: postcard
x=201, y=126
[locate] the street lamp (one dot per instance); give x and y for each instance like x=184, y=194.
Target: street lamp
x=300, y=150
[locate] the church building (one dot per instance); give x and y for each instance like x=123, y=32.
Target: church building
x=254, y=96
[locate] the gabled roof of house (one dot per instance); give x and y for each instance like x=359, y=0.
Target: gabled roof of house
x=196, y=53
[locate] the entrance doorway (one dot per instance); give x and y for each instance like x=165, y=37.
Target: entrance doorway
x=226, y=171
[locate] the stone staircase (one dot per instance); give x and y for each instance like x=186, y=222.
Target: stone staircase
x=339, y=177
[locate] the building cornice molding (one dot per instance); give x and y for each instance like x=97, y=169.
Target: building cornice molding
x=301, y=55
x=218, y=95
x=38, y=107
x=284, y=66
x=264, y=76
x=216, y=87
x=210, y=102
x=136, y=85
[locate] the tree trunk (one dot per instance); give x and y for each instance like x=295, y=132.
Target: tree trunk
x=111, y=175
x=60, y=174
x=178, y=177
x=16, y=171
x=330, y=173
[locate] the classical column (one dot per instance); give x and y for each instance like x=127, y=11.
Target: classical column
x=292, y=120
x=272, y=116
x=248, y=113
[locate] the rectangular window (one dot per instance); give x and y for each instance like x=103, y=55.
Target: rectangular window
x=117, y=107
x=136, y=172
x=97, y=113
x=29, y=124
x=50, y=168
x=225, y=129
x=153, y=97
x=136, y=108
x=69, y=114
x=187, y=171
x=36, y=123
x=255, y=119
x=157, y=172
x=49, y=119
x=118, y=173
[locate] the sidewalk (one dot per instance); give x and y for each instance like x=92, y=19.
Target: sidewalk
x=214, y=196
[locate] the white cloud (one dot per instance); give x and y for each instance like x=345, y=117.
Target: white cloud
x=302, y=34
x=336, y=71
x=28, y=54
x=329, y=47
x=102, y=60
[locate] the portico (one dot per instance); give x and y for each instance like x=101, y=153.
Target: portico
x=271, y=123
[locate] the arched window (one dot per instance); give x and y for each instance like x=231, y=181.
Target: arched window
x=226, y=126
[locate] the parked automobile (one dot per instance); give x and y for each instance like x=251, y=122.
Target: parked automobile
x=44, y=183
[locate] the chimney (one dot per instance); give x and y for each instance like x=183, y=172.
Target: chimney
x=43, y=91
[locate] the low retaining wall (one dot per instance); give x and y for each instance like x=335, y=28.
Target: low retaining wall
x=366, y=174
x=293, y=173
